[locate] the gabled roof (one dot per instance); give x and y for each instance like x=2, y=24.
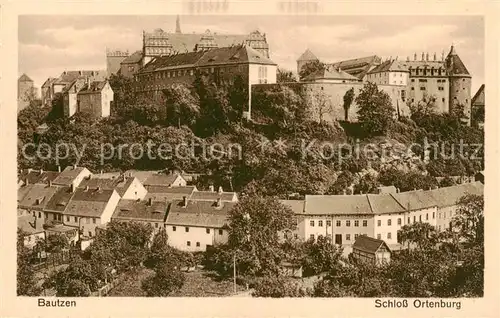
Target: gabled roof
x=415, y=200
x=368, y=244
x=68, y=175
x=24, y=78
x=135, y=58
x=337, y=204
x=384, y=203
x=141, y=175
x=140, y=210
x=454, y=65
x=90, y=202
x=358, y=67
x=159, y=193
x=68, y=77
x=448, y=196
x=390, y=66
x=59, y=200
x=161, y=179
x=28, y=224
x=49, y=81
x=37, y=196
x=307, y=56
x=297, y=206
x=478, y=99
x=199, y=213
x=331, y=74
x=93, y=87
x=37, y=176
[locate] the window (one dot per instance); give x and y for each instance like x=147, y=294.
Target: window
x=90, y=234
x=413, y=80
x=426, y=216
x=422, y=80
x=379, y=222
x=197, y=244
x=442, y=99
x=186, y=229
x=422, y=88
x=221, y=232
x=29, y=238
x=441, y=88
x=188, y=243
x=93, y=220
x=347, y=223
x=328, y=223
x=311, y=223
x=420, y=218
x=356, y=223
x=433, y=215
x=208, y=231
x=311, y=237
x=156, y=225
x=365, y=223
x=174, y=228
x=408, y=220
x=389, y=222
x=348, y=237
x=389, y=235
x=399, y=221
x=67, y=218
x=45, y=214
x=338, y=223
x=76, y=220
x=320, y=223
x=191, y=72
x=379, y=236
x=40, y=215
x=414, y=218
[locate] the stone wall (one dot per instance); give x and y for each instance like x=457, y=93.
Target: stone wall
x=315, y=95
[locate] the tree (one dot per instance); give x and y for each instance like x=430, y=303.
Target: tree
x=348, y=99
x=77, y=280
x=367, y=184
x=343, y=182
x=182, y=105
x=26, y=283
x=322, y=105
x=421, y=234
x=254, y=227
x=321, y=256
x=311, y=67
x=55, y=243
x=469, y=219
x=375, y=110
x=285, y=76
x=167, y=279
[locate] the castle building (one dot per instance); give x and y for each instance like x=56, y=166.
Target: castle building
x=446, y=80
x=114, y=59
x=95, y=98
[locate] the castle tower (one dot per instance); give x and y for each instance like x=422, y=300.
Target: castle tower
x=460, y=82
x=178, y=25
x=207, y=42
x=305, y=58
x=113, y=60
x=258, y=42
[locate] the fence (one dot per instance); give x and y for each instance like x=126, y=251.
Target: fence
x=54, y=259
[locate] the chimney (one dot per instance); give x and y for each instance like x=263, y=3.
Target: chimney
x=218, y=203
x=86, y=188
x=50, y=183
x=74, y=166
x=397, y=190
x=26, y=182
x=58, y=168
x=220, y=190
x=72, y=188
x=101, y=172
x=150, y=201
x=184, y=201
x=360, y=192
x=98, y=188
x=211, y=188
x=407, y=59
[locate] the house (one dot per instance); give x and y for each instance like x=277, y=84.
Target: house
x=47, y=91
x=32, y=228
x=129, y=188
x=71, y=176
x=70, y=232
x=370, y=250
x=33, y=198
x=477, y=107
x=70, y=93
x=31, y=176
x=146, y=212
x=390, y=72
x=95, y=98
x=165, y=180
x=212, y=195
x=195, y=225
x=131, y=64
x=53, y=211
x=89, y=208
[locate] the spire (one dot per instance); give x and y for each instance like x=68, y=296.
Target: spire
x=178, y=25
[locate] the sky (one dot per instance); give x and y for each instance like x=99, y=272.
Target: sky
x=48, y=45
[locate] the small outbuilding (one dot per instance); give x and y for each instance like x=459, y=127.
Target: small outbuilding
x=371, y=250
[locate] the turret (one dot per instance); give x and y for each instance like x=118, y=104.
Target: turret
x=460, y=82
x=305, y=58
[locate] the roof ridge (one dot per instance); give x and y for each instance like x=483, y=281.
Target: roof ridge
x=369, y=203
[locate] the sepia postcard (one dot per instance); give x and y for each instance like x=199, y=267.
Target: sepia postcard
x=221, y=159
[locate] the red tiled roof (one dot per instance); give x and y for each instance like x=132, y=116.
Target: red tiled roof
x=297, y=206
x=161, y=179
x=337, y=204
x=169, y=193
x=90, y=202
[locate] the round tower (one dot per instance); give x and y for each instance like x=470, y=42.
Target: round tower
x=305, y=58
x=460, y=83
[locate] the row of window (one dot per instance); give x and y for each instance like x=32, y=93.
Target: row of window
x=186, y=229
x=188, y=243
x=422, y=80
x=432, y=72
x=338, y=223
x=59, y=217
x=389, y=236
x=348, y=236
